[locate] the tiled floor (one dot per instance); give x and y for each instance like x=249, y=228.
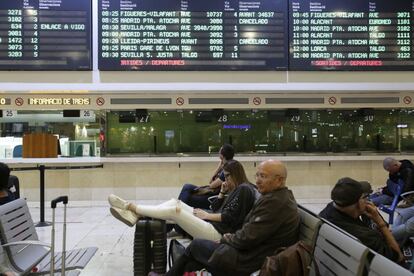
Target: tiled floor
x=91, y=224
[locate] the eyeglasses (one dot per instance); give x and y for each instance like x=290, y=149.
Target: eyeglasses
x=365, y=196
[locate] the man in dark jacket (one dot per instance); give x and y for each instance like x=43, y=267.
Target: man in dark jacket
x=400, y=173
x=350, y=209
x=273, y=222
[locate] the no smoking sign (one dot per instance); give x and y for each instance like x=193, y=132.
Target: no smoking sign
x=100, y=101
x=19, y=101
x=407, y=100
x=179, y=101
x=257, y=100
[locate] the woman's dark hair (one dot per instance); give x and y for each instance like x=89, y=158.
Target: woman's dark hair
x=236, y=171
x=4, y=176
x=227, y=151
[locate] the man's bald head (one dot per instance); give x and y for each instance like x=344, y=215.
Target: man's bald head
x=391, y=165
x=271, y=175
x=275, y=167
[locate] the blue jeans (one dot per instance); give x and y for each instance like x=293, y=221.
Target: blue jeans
x=403, y=227
x=381, y=199
x=197, y=201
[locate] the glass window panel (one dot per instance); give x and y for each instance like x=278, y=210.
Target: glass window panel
x=263, y=131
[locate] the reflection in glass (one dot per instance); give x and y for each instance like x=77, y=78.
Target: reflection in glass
x=263, y=131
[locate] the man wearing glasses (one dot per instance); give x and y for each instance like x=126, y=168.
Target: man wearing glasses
x=273, y=222
x=351, y=211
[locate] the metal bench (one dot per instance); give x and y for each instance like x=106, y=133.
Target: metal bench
x=25, y=251
x=381, y=266
x=309, y=226
x=339, y=254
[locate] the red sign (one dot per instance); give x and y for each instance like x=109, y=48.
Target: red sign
x=179, y=101
x=332, y=100
x=102, y=136
x=100, y=101
x=407, y=99
x=19, y=101
x=257, y=101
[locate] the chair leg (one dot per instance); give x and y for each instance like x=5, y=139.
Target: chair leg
x=391, y=218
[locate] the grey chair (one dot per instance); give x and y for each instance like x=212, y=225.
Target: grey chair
x=339, y=254
x=25, y=251
x=17, y=151
x=309, y=226
x=381, y=266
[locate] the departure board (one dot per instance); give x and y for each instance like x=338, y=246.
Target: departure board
x=193, y=35
x=45, y=35
x=351, y=34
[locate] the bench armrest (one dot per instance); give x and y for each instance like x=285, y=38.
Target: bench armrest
x=39, y=243
x=212, y=198
x=403, y=195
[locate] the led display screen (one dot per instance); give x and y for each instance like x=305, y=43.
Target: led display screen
x=45, y=35
x=351, y=35
x=193, y=35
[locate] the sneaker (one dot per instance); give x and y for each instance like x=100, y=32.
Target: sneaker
x=127, y=217
x=117, y=202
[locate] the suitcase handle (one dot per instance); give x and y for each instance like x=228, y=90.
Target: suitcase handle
x=63, y=199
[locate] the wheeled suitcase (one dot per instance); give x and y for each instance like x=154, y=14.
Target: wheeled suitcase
x=150, y=247
x=64, y=200
x=159, y=245
x=142, y=249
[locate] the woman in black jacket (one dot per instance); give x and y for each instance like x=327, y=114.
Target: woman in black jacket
x=233, y=203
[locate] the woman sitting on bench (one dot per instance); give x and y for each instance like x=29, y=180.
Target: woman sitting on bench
x=228, y=211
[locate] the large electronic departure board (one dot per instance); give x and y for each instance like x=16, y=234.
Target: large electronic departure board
x=193, y=35
x=45, y=35
x=351, y=34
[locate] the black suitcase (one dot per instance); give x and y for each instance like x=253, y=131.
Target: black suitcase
x=150, y=247
x=142, y=249
x=159, y=245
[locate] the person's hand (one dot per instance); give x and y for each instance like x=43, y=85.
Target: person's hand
x=372, y=212
x=378, y=191
x=224, y=187
x=200, y=213
x=401, y=258
x=226, y=237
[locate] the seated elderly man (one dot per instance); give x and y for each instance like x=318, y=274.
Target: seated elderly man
x=273, y=222
x=351, y=211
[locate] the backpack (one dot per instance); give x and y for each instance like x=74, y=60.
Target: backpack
x=294, y=260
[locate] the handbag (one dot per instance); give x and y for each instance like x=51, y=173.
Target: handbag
x=294, y=260
x=175, y=251
x=206, y=190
